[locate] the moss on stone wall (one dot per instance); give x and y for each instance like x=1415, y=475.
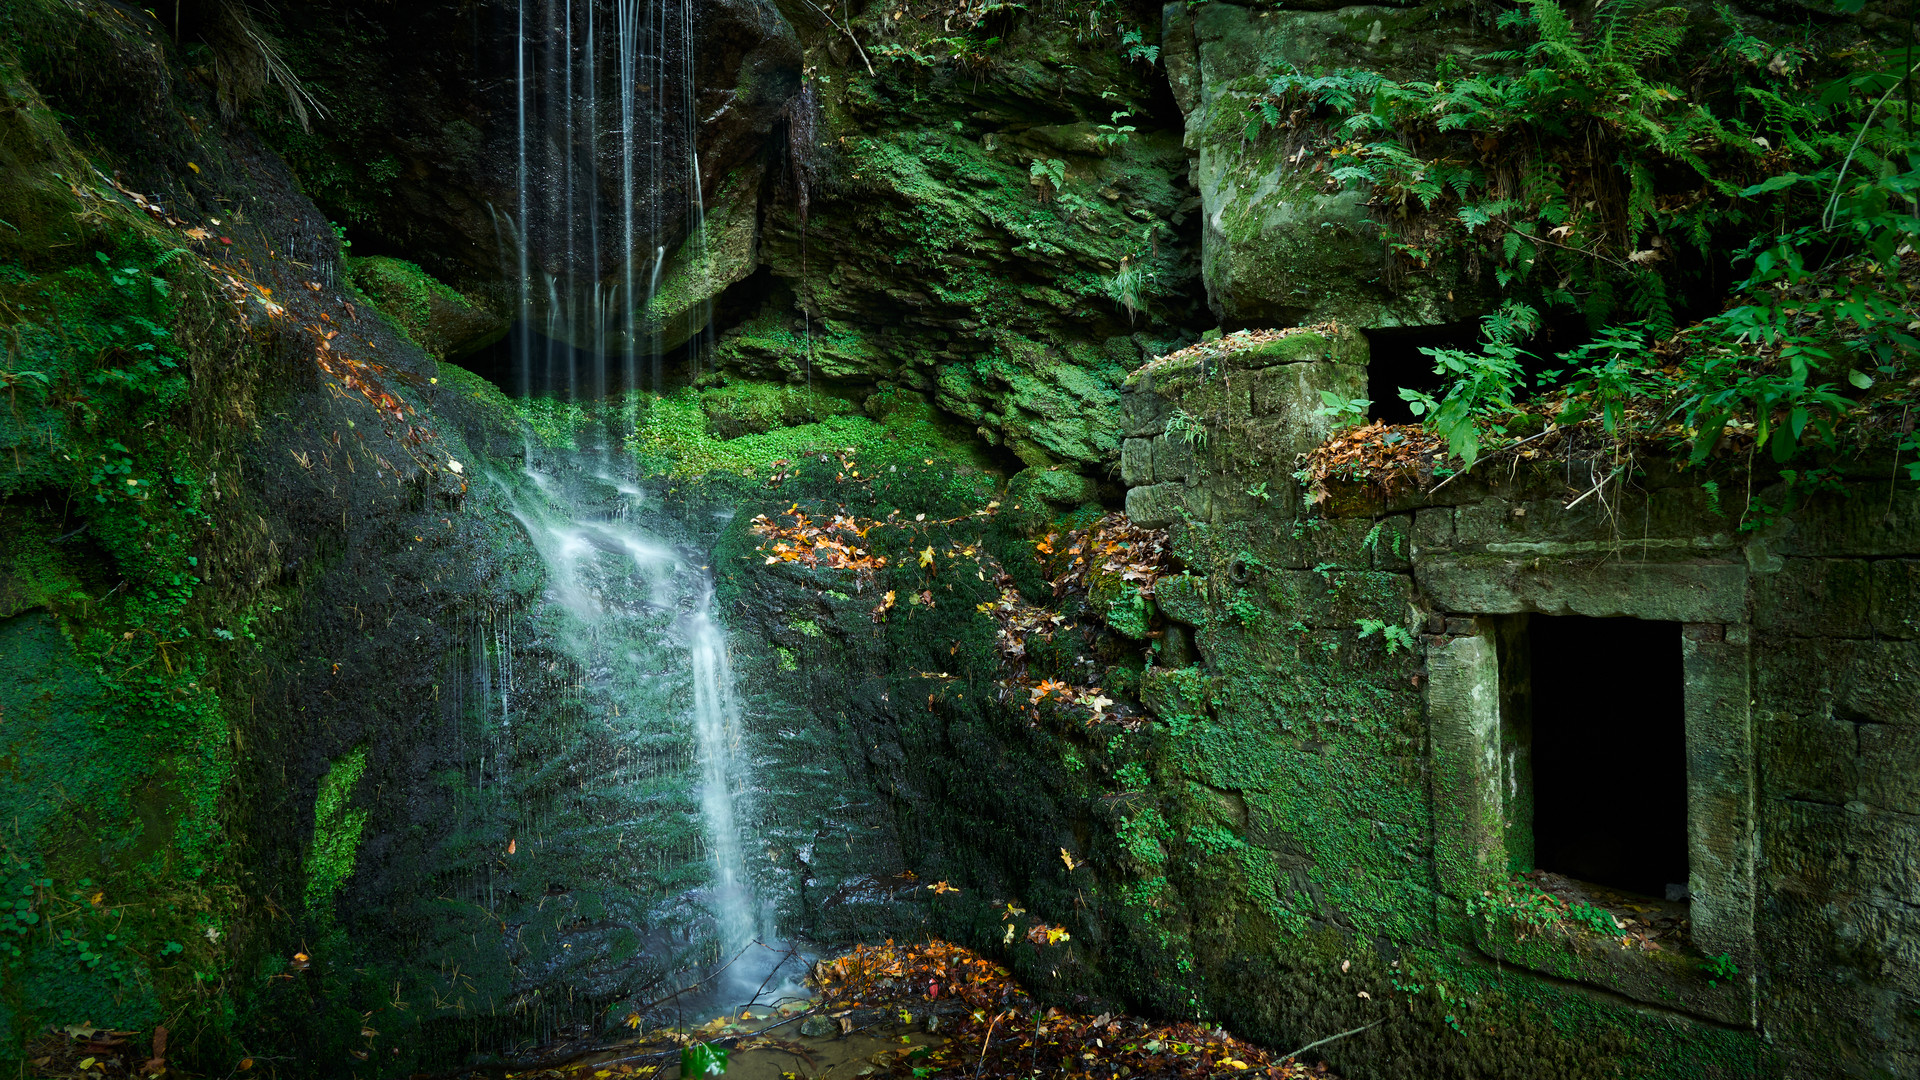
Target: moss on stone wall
x=336, y=833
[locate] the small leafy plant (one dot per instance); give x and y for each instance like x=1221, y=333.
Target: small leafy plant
x=1396, y=637
x=1719, y=969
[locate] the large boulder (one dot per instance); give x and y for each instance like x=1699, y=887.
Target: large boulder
x=1282, y=241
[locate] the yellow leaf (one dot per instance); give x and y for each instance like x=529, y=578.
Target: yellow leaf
x=1057, y=934
x=1067, y=857
x=926, y=557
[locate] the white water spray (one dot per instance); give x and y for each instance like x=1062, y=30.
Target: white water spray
x=638, y=618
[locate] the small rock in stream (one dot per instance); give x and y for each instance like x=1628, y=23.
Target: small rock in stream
x=818, y=1027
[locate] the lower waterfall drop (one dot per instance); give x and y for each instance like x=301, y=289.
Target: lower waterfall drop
x=637, y=614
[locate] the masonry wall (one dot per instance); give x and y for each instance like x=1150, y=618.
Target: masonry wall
x=1344, y=793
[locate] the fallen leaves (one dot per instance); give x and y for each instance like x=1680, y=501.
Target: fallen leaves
x=833, y=543
x=996, y=1032
x=1042, y=934
x=1112, y=545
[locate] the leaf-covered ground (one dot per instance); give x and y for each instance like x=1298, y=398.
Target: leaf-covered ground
x=932, y=1009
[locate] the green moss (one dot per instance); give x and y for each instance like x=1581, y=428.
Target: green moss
x=427, y=312
x=497, y=407
x=673, y=438
x=755, y=408
x=336, y=833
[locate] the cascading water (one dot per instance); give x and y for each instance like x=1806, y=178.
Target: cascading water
x=635, y=613
x=609, y=186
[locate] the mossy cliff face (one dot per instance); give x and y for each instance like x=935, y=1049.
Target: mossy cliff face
x=259, y=585
x=1315, y=828
x=130, y=378
x=1004, y=230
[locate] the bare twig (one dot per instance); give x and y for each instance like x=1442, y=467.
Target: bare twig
x=1595, y=488
x=1833, y=200
x=1331, y=1038
x=984, y=1043
x=1893, y=482
x=776, y=970
x=850, y=37
x=1548, y=430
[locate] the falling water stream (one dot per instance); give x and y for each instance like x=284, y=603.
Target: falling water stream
x=635, y=612
x=604, y=109
x=604, y=118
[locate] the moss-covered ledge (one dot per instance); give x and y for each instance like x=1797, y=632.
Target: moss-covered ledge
x=1665, y=978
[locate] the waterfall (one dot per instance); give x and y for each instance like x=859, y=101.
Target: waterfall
x=635, y=614
x=604, y=103
x=601, y=87
x=716, y=716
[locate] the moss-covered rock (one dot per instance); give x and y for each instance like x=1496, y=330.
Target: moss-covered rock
x=432, y=315
x=1056, y=485
x=754, y=408
x=1284, y=241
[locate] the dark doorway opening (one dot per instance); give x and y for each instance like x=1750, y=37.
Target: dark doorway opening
x=1394, y=360
x=1609, y=745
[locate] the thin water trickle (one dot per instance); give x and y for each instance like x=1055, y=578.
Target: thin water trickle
x=603, y=86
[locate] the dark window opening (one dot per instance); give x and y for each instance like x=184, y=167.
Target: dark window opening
x=1606, y=738
x=1394, y=360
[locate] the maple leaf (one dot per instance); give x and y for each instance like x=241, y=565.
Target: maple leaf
x=941, y=888
x=1067, y=857
x=926, y=557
